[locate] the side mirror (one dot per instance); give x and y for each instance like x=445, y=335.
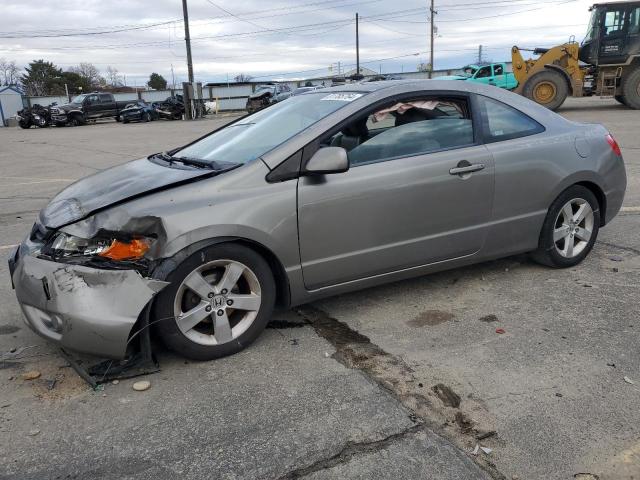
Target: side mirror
x=328, y=160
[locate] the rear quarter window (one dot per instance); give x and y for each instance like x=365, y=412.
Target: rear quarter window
x=502, y=122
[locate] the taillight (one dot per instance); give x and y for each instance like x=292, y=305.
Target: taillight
x=613, y=144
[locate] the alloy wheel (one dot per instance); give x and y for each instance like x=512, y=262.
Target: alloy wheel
x=573, y=228
x=217, y=302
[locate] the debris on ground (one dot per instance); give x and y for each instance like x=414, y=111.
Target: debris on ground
x=142, y=385
x=484, y=435
x=51, y=383
x=464, y=422
x=115, y=382
x=616, y=258
x=615, y=270
x=31, y=375
x=34, y=432
x=475, y=450
x=611, y=365
x=586, y=476
x=488, y=318
x=446, y=395
x=558, y=394
x=486, y=450
x=629, y=381
x=500, y=330
x=294, y=342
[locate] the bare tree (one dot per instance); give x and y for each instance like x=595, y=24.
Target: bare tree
x=9, y=73
x=89, y=72
x=113, y=78
x=242, y=77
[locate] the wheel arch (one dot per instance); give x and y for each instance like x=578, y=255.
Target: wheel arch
x=588, y=181
x=165, y=266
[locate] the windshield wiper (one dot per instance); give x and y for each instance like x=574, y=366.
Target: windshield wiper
x=197, y=162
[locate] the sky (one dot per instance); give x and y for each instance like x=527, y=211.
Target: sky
x=278, y=39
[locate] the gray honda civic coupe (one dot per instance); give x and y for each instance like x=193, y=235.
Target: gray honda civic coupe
x=331, y=191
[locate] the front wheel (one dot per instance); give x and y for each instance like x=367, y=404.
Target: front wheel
x=570, y=228
x=147, y=117
x=24, y=124
x=219, y=300
x=548, y=88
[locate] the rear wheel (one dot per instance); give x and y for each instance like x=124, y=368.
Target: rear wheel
x=631, y=89
x=548, y=88
x=219, y=301
x=570, y=228
x=621, y=99
x=24, y=124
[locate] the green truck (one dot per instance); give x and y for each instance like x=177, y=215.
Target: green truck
x=489, y=74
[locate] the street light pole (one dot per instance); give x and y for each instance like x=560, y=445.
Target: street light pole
x=433, y=12
x=187, y=39
x=357, y=48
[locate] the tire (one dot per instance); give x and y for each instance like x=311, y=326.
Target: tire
x=76, y=121
x=631, y=89
x=548, y=88
x=147, y=117
x=25, y=124
x=572, y=244
x=177, y=300
x=125, y=121
x=621, y=99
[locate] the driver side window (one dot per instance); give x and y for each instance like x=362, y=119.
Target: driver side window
x=406, y=128
x=484, y=72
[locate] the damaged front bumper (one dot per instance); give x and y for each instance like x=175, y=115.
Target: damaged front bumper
x=88, y=310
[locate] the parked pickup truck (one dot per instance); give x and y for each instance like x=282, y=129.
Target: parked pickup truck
x=87, y=106
x=489, y=74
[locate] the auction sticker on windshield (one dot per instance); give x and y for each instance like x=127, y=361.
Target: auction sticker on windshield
x=342, y=97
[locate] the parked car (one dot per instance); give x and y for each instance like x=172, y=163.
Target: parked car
x=495, y=74
x=88, y=106
x=328, y=192
x=170, y=109
x=37, y=115
x=139, y=111
x=266, y=95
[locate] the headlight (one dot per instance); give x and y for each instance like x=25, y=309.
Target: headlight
x=63, y=245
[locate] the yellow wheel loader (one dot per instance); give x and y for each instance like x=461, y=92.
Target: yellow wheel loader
x=607, y=63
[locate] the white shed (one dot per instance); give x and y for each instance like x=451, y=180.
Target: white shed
x=10, y=103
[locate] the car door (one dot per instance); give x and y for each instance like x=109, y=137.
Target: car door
x=405, y=201
x=499, y=77
x=107, y=105
x=483, y=75
x=92, y=106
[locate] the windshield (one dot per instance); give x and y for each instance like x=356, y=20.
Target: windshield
x=79, y=98
x=256, y=134
x=591, y=30
x=468, y=71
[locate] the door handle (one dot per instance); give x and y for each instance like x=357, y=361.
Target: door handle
x=466, y=169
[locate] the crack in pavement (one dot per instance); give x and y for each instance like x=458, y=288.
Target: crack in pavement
x=391, y=373
x=620, y=247
x=350, y=450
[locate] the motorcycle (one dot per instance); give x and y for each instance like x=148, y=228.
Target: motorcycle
x=36, y=115
x=171, y=109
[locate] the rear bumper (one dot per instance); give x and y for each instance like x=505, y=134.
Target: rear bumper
x=84, y=309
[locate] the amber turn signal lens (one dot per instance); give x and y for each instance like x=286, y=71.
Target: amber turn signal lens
x=126, y=251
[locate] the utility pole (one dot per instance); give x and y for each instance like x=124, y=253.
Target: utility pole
x=173, y=79
x=433, y=12
x=187, y=39
x=479, y=54
x=357, y=48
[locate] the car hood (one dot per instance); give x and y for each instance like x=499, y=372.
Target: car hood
x=68, y=106
x=113, y=186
